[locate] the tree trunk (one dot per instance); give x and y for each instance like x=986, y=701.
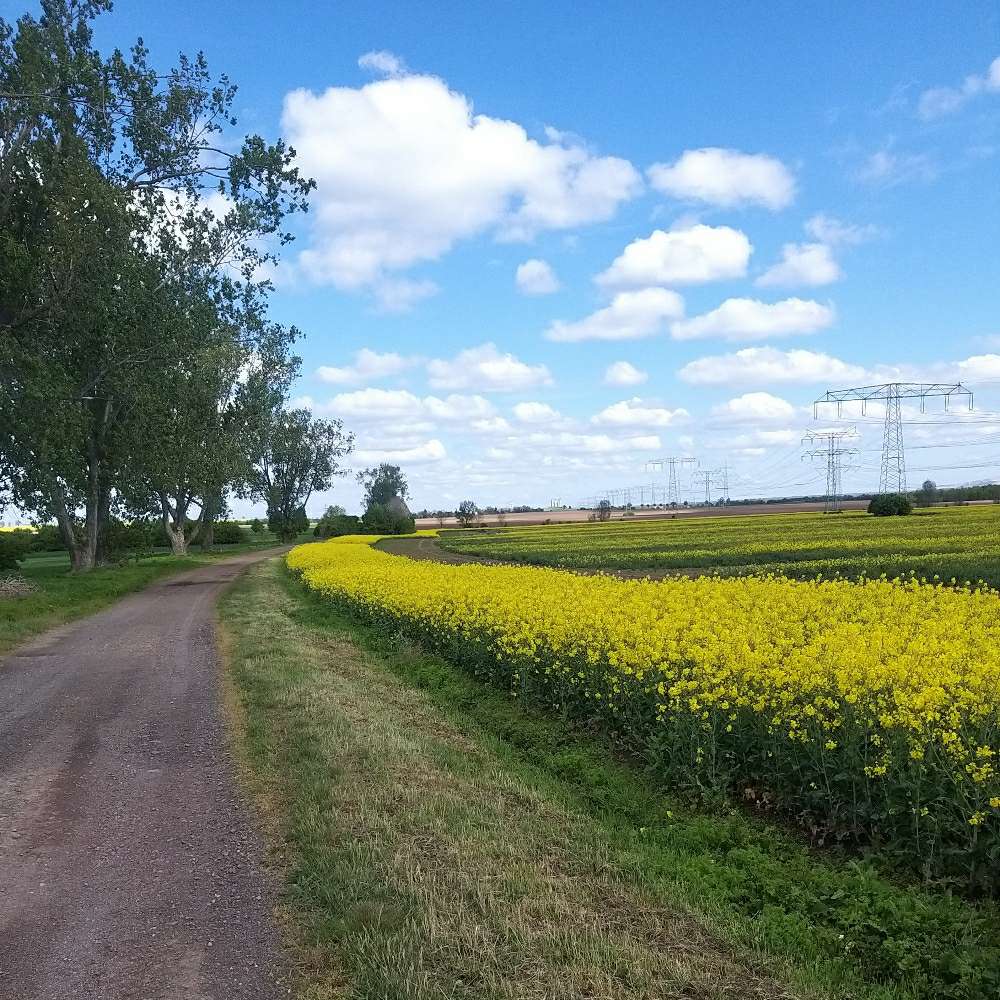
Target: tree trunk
x=209, y=513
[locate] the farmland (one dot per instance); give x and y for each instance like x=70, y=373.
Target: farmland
x=959, y=542
x=863, y=713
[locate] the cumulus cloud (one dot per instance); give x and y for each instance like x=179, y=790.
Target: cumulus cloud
x=637, y=412
x=536, y=413
x=836, y=233
x=399, y=295
x=940, y=101
x=726, y=178
x=536, y=277
x=802, y=264
x=430, y=451
x=368, y=365
x=382, y=62
x=630, y=316
x=405, y=169
x=410, y=411
x=688, y=256
x=751, y=319
x=486, y=369
x=624, y=373
x=769, y=365
x=755, y=407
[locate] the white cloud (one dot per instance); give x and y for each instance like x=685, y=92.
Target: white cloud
x=486, y=369
x=631, y=316
x=940, y=101
x=368, y=365
x=751, y=319
x=768, y=364
x=536, y=277
x=726, y=178
x=536, y=413
x=409, y=411
x=885, y=168
x=802, y=264
x=385, y=63
x=636, y=412
x=833, y=232
x=490, y=425
x=693, y=255
x=430, y=451
x=755, y=406
x=624, y=373
x=405, y=169
x=399, y=295
x=594, y=443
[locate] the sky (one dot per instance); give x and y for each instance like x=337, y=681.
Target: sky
x=551, y=242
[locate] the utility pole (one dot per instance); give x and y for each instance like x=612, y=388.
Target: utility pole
x=705, y=475
x=669, y=465
x=892, y=477
x=833, y=451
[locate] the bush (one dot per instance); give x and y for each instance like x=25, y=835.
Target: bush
x=335, y=522
x=14, y=546
x=890, y=505
x=122, y=540
x=229, y=533
x=257, y=526
x=47, y=539
x=381, y=519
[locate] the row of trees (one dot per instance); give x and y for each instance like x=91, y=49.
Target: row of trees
x=140, y=372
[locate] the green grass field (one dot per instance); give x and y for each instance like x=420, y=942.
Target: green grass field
x=959, y=542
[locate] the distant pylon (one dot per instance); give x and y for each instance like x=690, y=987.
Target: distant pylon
x=892, y=477
x=833, y=451
x=669, y=465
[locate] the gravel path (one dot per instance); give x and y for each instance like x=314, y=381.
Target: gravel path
x=130, y=868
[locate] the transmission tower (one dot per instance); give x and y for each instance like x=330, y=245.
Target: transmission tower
x=669, y=465
x=892, y=478
x=833, y=451
x=706, y=476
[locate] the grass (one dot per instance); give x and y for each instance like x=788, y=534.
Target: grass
x=55, y=596
x=443, y=841
x=960, y=542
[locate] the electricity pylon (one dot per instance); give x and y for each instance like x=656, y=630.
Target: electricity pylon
x=892, y=477
x=669, y=465
x=833, y=452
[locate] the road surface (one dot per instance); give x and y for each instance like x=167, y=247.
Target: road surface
x=129, y=866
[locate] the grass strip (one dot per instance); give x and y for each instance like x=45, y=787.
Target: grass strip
x=444, y=841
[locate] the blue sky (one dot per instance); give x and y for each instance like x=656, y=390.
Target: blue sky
x=809, y=195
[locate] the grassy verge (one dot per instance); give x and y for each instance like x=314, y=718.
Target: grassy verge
x=443, y=841
x=57, y=596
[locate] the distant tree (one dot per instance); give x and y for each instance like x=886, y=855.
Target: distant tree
x=467, y=513
x=928, y=493
x=382, y=483
x=604, y=510
x=257, y=526
x=890, y=505
x=391, y=518
x=300, y=456
x=336, y=521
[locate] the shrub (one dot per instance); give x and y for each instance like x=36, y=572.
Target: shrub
x=229, y=533
x=335, y=522
x=14, y=546
x=381, y=519
x=890, y=505
x=47, y=539
x=257, y=526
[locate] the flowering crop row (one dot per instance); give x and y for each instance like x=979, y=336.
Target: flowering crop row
x=961, y=541
x=867, y=710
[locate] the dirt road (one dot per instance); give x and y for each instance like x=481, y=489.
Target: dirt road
x=129, y=867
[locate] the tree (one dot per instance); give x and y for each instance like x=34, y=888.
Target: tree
x=391, y=518
x=467, y=513
x=257, y=526
x=890, y=505
x=299, y=457
x=105, y=169
x=604, y=510
x=336, y=521
x=383, y=483
x=928, y=493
